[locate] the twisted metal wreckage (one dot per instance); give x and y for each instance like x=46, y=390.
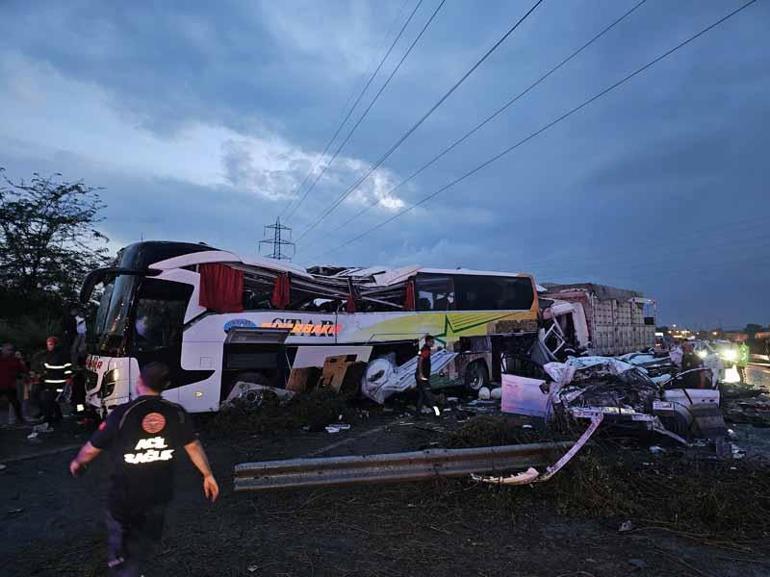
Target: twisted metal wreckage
x=639, y=391
x=593, y=389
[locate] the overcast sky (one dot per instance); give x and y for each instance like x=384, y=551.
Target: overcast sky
x=202, y=122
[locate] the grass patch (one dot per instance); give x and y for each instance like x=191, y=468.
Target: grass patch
x=679, y=490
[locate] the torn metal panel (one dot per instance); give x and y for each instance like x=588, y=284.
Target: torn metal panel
x=383, y=378
x=254, y=393
x=532, y=475
x=525, y=396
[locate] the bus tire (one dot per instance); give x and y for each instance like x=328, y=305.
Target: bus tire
x=476, y=376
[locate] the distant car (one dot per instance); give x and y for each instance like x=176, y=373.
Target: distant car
x=711, y=359
x=727, y=351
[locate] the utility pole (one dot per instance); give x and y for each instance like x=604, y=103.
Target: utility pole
x=275, y=240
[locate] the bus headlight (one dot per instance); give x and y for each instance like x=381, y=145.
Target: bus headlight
x=108, y=382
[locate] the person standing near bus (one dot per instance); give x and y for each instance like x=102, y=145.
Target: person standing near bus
x=422, y=376
x=743, y=361
x=143, y=438
x=11, y=367
x=58, y=374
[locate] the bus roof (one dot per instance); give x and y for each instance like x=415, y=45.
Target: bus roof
x=224, y=256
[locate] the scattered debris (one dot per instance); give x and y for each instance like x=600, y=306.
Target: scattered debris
x=583, y=387
x=337, y=428
x=253, y=394
x=626, y=526
x=42, y=428
x=526, y=478
x=313, y=410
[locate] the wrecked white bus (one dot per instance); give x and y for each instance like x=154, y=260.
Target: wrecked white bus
x=217, y=320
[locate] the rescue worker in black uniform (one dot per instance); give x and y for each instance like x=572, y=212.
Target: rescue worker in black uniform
x=57, y=376
x=143, y=437
x=422, y=376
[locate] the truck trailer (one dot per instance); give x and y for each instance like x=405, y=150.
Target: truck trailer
x=600, y=319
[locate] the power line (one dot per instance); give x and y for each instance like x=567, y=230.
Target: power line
x=371, y=104
x=545, y=127
x=492, y=116
x=355, y=104
x=414, y=127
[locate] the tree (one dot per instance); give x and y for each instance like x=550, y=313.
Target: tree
x=48, y=239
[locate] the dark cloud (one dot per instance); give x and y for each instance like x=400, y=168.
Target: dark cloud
x=661, y=185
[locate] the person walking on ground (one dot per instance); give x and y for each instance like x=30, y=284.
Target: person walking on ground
x=422, y=376
x=743, y=361
x=11, y=368
x=58, y=372
x=143, y=438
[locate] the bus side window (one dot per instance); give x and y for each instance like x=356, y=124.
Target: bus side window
x=435, y=293
x=479, y=293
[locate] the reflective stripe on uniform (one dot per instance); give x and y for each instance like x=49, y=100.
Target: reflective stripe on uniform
x=57, y=367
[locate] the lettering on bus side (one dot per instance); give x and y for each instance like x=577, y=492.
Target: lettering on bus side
x=94, y=363
x=323, y=328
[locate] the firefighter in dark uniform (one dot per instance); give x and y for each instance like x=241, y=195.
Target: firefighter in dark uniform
x=422, y=376
x=144, y=437
x=57, y=375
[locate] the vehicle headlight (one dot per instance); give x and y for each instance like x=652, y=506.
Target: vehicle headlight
x=702, y=354
x=730, y=355
x=108, y=382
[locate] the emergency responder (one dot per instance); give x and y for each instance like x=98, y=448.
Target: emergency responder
x=422, y=375
x=57, y=376
x=743, y=361
x=691, y=361
x=144, y=437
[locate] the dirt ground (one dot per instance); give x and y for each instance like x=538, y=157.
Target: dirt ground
x=51, y=523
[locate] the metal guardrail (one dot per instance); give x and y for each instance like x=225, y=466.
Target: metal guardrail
x=394, y=467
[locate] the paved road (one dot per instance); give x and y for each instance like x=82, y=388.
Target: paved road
x=759, y=374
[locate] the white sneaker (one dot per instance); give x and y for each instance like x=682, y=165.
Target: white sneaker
x=436, y=410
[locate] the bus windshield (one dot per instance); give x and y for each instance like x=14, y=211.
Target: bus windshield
x=110, y=322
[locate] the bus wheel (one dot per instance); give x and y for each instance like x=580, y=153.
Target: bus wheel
x=476, y=376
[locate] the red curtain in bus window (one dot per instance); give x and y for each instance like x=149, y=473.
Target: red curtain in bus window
x=409, y=300
x=281, y=288
x=221, y=288
x=350, y=306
